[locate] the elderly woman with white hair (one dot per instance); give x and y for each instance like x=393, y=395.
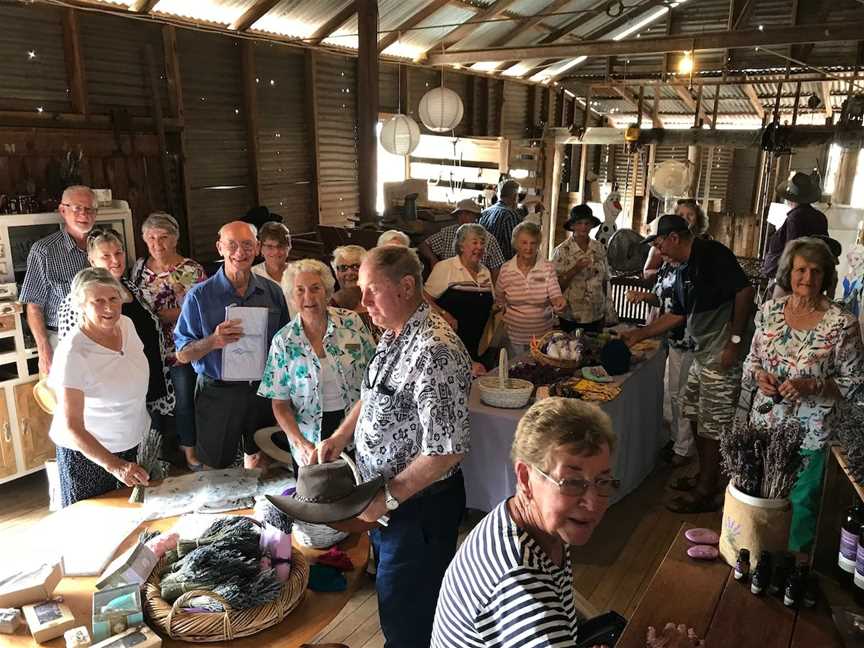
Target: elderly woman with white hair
x=316, y=362
x=100, y=375
x=163, y=277
x=460, y=289
x=394, y=237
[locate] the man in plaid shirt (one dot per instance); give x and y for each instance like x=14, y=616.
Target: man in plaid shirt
x=439, y=246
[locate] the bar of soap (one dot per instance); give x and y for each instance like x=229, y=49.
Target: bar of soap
x=702, y=536
x=77, y=637
x=703, y=552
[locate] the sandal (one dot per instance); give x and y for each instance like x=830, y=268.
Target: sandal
x=697, y=504
x=685, y=484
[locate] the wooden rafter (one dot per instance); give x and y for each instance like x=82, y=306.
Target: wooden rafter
x=333, y=24
x=741, y=13
x=454, y=36
x=529, y=22
x=738, y=79
x=580, y=20
x=143, y=6
x=692, y=104
x=825, y=91
x=750, y=91
x=411, y=22
x=253, y=14
x=660, y=44
x=633, y=99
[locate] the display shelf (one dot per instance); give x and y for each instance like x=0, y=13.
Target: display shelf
x=840, y=456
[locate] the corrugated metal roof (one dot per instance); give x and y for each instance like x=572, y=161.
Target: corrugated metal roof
x=298, y=18
x=414, y=43
x=220, y=12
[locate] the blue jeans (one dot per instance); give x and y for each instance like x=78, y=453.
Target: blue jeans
x=183, y=377
x=412, y=554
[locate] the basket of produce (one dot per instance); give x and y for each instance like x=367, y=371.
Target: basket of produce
x=503, y=391
x=558, y=349
x=215, y=588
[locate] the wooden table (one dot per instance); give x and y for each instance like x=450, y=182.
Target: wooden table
x=304, y=623
x=706, y=597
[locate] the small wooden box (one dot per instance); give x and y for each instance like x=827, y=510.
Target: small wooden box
x=48, y=620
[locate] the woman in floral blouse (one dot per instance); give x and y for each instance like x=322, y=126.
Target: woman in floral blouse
x=807, y=356
x=316, y=362
x=163, y=278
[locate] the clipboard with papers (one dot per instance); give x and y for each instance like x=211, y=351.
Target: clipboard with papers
x=245, y=358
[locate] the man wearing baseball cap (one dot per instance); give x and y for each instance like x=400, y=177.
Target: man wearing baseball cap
x=439, y=246
x=714, y=299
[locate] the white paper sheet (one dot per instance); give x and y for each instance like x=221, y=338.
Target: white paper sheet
x=209, y=490
x=245, y=358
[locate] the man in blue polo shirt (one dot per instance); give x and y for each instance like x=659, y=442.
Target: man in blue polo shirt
x=227, y=413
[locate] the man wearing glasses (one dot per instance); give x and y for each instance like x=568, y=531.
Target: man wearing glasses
x=51, y=265
x=228, y=412
x=714, y=298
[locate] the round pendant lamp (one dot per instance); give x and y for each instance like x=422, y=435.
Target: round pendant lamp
x=400, y=135
x=441, y=109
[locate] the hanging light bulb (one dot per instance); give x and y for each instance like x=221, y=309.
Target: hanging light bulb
x=685, y=65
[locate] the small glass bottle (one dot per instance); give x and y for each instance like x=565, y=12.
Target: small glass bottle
x=742, y=565
x=858, y=580
x=794, y=587
x=762, y=574
x=808, y=587
x=785, y=567
x=853, y=518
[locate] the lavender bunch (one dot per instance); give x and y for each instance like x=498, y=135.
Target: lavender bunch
x=742, y=459
x=850, y=432
x=781, y=459
x=761, y=461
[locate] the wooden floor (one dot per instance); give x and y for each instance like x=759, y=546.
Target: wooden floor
x=611, y=571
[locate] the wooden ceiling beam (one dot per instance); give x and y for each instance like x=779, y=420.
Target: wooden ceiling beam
x=411, y=22
x=454, y=36
x=333, y=24
x=739, y=79
x=143, y=6
x=580, y=20
x=633, y=99
x=750, y=91
x=692, y=104
x=529, y=22
x=825, y=92
x=252, y=15
x=719, y=40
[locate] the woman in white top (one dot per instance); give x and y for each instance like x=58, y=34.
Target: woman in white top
x=100, y=375
x=460, y=289
x=275, y=241
x=316, y=362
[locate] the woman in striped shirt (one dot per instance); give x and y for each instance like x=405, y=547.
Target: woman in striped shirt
x=528, y=290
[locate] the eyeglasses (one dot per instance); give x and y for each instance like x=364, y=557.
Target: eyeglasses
x=348, y=266
x=79, y=209
x=605, y=486
x=276, y=246
x=233, y=246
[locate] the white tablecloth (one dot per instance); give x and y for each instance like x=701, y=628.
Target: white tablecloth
x=637, y=417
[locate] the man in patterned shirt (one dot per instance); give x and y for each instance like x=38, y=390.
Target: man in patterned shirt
x=411, y=427
x=440, y=246
x=51, y=265
x=501, y=218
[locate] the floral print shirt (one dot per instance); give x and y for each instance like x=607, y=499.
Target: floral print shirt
x=415, y=397
x=586, y=294
x=832, y=349
x=165, y=290
x=293, y=368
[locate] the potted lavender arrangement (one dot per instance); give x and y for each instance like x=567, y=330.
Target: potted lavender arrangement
x=762, y=464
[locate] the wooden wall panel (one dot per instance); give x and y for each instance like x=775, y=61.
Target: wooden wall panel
x=336, y=89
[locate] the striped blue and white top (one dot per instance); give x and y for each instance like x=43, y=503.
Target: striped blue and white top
x=502, y=591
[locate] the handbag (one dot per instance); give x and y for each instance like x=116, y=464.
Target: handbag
x=494, y=333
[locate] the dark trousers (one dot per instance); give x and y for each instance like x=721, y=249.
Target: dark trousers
x=412, y=554
x=227, y=415
x=183, y=377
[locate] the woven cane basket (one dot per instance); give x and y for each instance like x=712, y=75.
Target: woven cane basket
x=202, y=627
x=547, y=360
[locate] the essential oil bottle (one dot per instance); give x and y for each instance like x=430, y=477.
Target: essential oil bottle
x=742, y=566
x=858, y=579
x=784, y=568
x=762, y=574
x=795, y=587
x=850, y=528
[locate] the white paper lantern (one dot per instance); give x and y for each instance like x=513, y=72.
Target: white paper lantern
x=441, y=109
x=400, y=135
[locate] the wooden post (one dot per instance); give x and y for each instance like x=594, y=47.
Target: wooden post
x=312, y=121
x=639, y=106
x=583, y=172
x=646, y=195
x=250, y=108
x=797, y=99
x=156, y=105
x=553, y=157
x=402, y=80
x=777, y=101
x=716, y=105
x=697, y=122
x=74, y=63
x=694, y=156
x=172, y=72
x=367, y=107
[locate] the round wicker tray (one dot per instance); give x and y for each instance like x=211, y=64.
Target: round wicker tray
x=202, y=627
x=544, y=359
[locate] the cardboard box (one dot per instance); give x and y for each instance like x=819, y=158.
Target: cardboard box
x=30, y=585
x=141, y=637
x=10, y=619
x=115, y=610
x=130, y=568
x=77, y=637
x=48, y=620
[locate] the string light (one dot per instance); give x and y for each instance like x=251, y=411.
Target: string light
x=31, y=54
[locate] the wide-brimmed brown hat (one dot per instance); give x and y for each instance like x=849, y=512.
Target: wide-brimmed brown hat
x=327, y=493
x=800, y=188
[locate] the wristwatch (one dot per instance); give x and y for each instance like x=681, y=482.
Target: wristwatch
x=389, y=501
x=735, y=339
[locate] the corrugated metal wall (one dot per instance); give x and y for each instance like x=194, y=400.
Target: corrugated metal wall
x=28, y=82
x=285, y=173
x=388, y=87
x=721, y=169
x=514, y=120
x=115, y=65
x=336, y=90
x=215, y=136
